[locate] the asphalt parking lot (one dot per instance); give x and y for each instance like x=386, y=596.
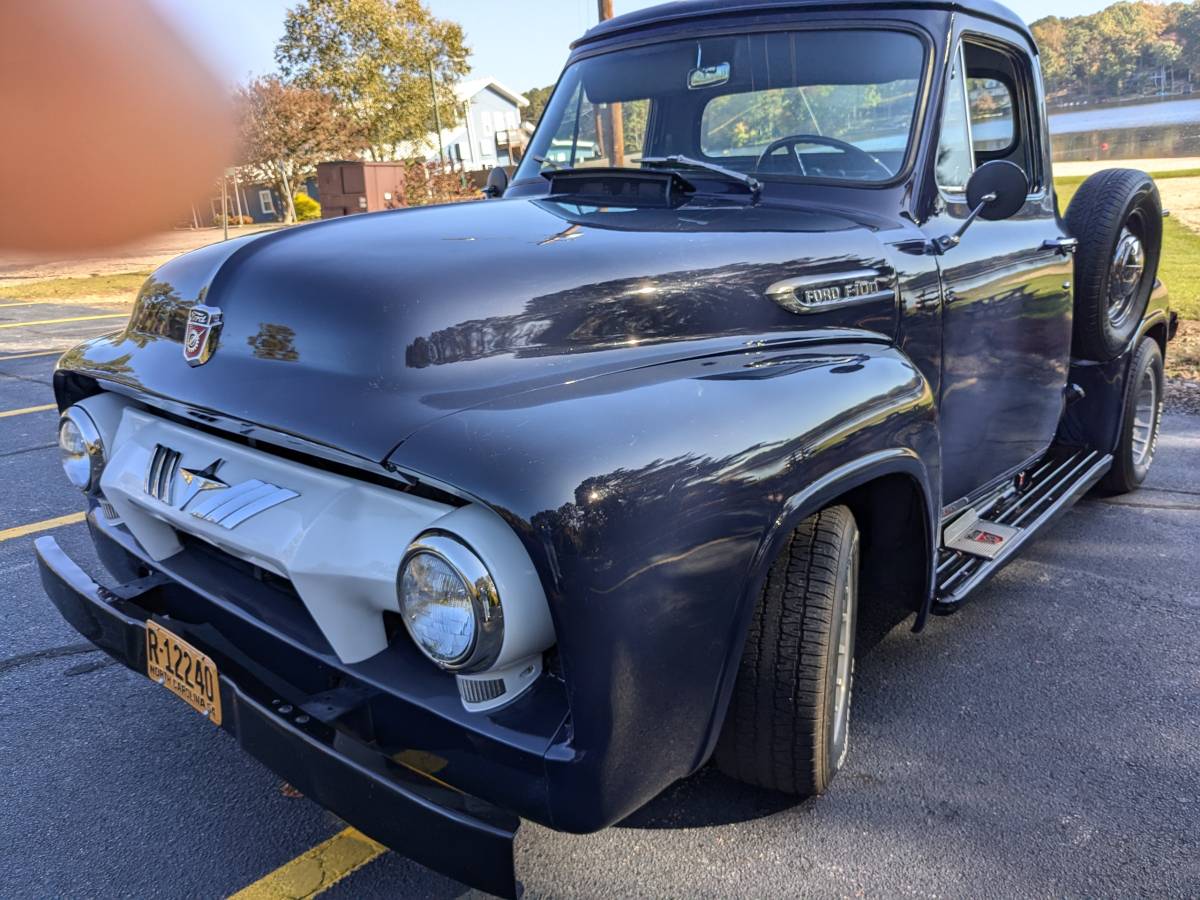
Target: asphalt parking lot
x=1043, y=742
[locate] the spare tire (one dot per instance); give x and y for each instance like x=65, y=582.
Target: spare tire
x=1117, y=218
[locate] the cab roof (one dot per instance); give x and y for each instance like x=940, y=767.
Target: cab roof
x=682, y=10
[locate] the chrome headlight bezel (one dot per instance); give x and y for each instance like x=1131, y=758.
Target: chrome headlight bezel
x=480, y=587
x=85, y=469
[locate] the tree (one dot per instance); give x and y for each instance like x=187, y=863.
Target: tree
x=1187, y=32
x=1053, y=37
x=374, y=58
x=287, y=130
x=1125, y=49
x=538, y=98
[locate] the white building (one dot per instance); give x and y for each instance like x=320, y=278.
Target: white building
x=490, y=132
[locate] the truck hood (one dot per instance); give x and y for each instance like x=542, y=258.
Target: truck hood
x=355, y=332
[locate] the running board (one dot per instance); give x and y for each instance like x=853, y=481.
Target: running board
x=980, y=545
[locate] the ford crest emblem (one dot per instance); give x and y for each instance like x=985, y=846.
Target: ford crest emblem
x=200, y=338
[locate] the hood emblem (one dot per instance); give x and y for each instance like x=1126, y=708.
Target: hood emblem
x=200, y=336
x=204, y=495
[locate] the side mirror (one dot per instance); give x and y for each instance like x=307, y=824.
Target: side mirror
x=996, y=191
x=1005, y=183
x=497, y=183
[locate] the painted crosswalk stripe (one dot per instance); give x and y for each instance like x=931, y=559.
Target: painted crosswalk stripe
x=315, y=870
x=9, y=534
x=29, y=409
x=61, y=321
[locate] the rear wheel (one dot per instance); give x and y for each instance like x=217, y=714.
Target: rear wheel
x=788, y=722
x=1139, y=421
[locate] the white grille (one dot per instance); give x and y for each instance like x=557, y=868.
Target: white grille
x=480, y=691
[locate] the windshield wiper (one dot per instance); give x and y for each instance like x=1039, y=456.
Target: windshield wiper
x=752, y=183
x=554, y=167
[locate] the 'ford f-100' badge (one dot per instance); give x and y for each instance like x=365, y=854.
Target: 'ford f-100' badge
x=817, y=293
x=200, y=338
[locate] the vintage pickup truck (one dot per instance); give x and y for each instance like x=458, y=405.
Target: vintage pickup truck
x=527, y=508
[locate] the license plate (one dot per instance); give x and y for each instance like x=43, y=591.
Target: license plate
x=183, y=670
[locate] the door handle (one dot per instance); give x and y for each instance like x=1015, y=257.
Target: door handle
x=1064, y=245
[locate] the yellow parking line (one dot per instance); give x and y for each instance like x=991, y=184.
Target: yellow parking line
x=28, y=409
x=316, y=870
x=32, y=355
x=21, y=530
x=68, y=319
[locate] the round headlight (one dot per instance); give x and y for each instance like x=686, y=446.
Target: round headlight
x=449, y=603
x=81, y=448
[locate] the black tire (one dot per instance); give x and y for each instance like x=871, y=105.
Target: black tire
x=1116, y=213
x=1140, y=417
x=787, y=725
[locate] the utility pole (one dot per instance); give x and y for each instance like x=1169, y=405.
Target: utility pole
x=290, y=209
x=437, y=114
x=224, y=206
x=237, y=197
x=616, y=120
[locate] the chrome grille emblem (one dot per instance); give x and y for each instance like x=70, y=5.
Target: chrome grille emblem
x=160, y=474
x=206, y=496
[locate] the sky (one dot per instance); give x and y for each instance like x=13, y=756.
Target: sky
x=522, y=43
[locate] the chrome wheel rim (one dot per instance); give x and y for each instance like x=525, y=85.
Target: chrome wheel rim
x=1144, y=413
x=1125, y=277
x=844, y=677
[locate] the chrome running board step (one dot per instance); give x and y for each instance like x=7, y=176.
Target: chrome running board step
x=974, y=535
x=977, y=546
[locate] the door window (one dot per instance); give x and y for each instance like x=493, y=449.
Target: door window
x=955, y=154
x=993, y=128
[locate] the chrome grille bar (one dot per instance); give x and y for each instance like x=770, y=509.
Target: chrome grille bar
x=160, y=474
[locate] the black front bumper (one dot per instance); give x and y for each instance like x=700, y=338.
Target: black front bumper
x=412, y=812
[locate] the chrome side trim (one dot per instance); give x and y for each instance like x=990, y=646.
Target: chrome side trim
x=817, y=293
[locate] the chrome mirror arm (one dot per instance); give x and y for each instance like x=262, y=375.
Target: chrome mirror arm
x=950, y=241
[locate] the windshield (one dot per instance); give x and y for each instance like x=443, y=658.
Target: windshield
x=790, y=105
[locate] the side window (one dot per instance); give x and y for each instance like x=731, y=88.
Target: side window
x=1000, y=97
x=955, y=156
x=993, y=129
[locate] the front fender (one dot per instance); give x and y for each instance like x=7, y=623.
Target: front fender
x=651, y=500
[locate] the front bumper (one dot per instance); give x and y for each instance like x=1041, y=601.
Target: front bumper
x=389, y=799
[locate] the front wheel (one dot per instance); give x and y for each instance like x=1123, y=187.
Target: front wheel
x=788, y=723
x=1140, y=418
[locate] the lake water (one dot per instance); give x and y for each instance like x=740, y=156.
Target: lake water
x=1143, y=115
x=1142, y=131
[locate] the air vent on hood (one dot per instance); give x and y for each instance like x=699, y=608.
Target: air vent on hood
x=620, y=187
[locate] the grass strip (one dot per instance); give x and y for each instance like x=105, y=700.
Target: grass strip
x=72, y=288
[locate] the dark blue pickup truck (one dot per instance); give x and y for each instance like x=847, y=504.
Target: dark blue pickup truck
x=527, y=508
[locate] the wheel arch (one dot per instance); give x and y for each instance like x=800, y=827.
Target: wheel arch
x=892, y=496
